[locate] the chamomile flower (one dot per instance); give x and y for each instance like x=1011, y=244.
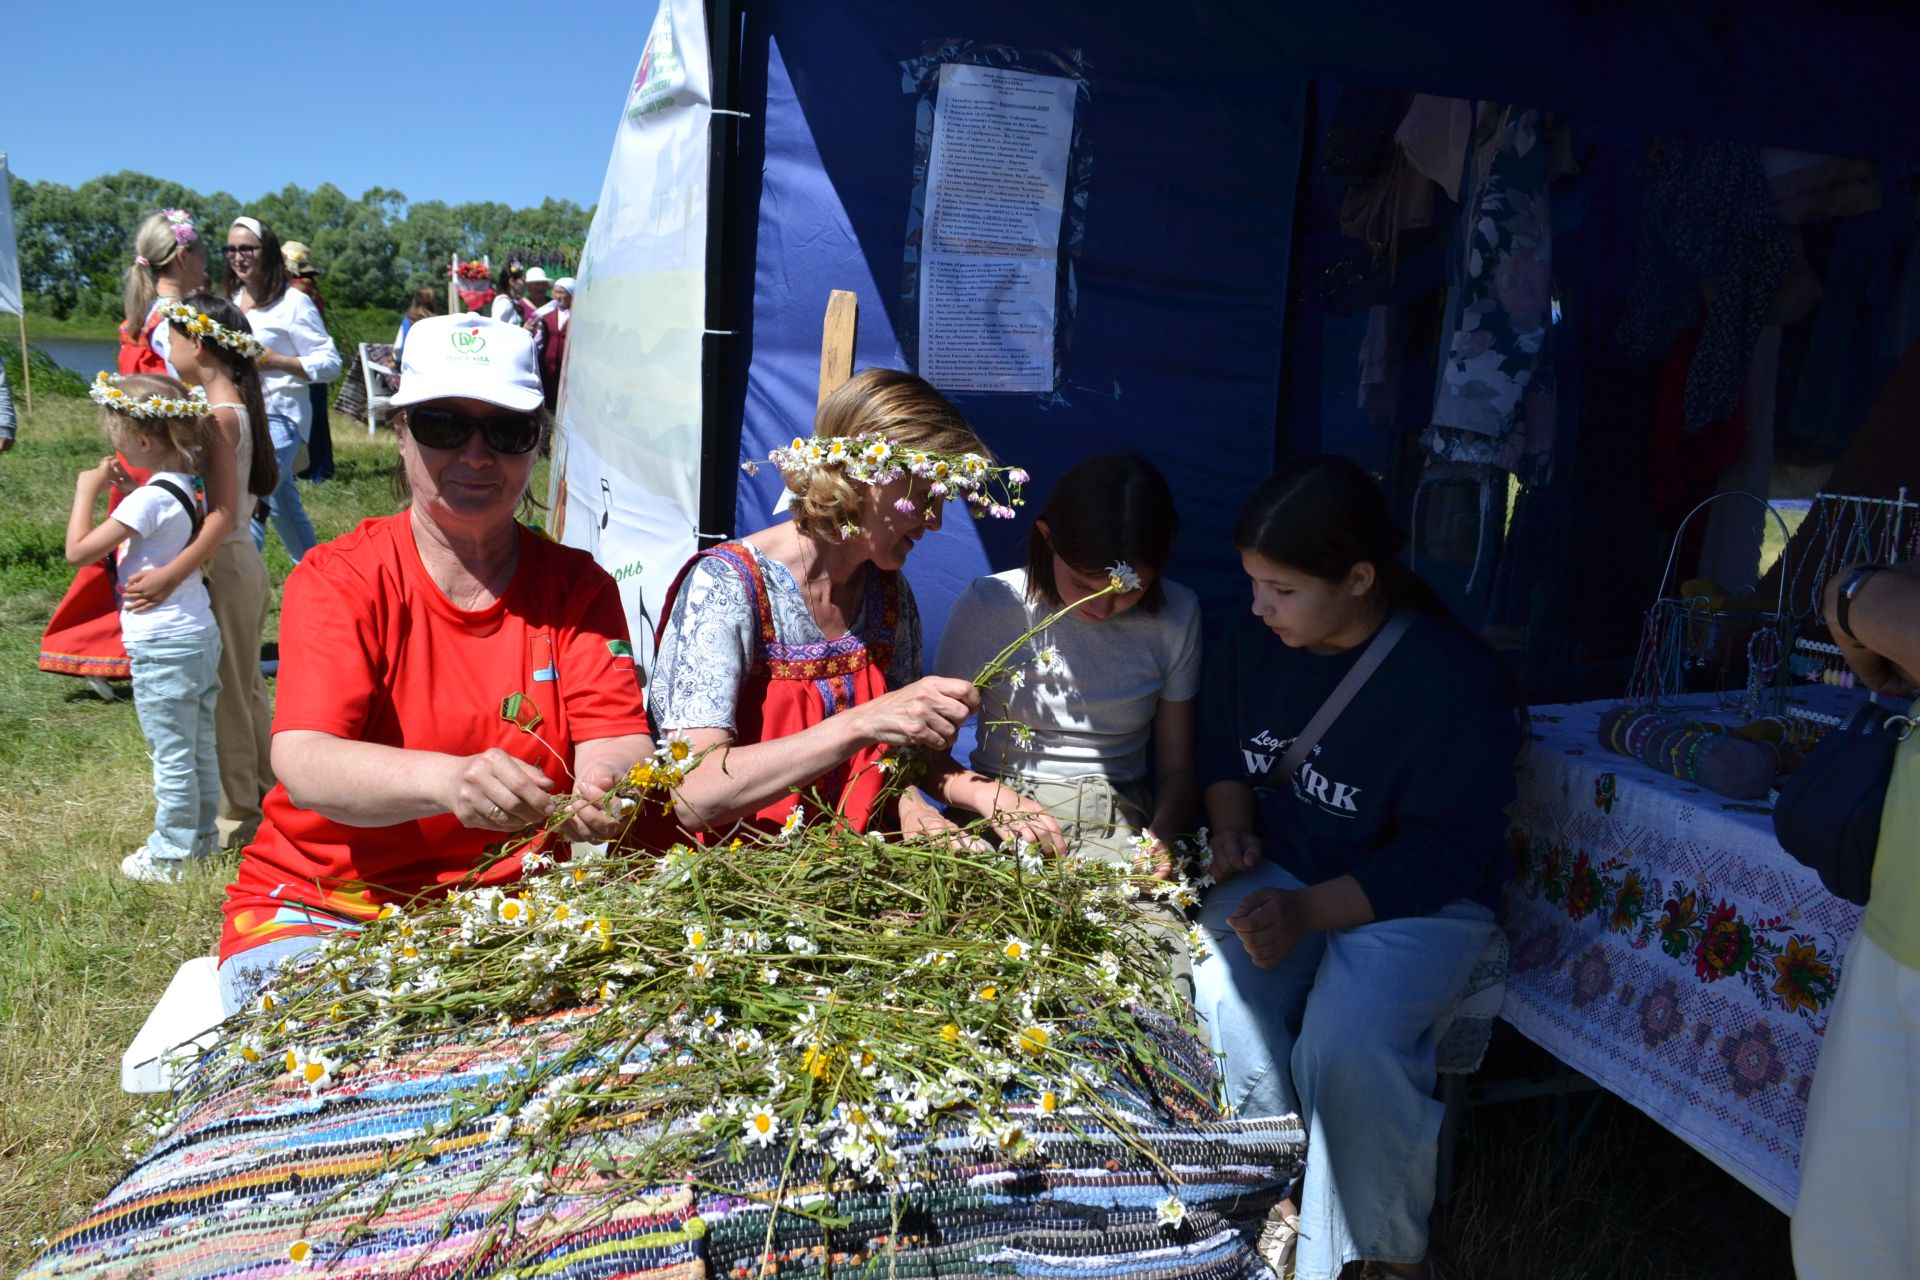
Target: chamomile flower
x=300, y=1253
x=675, y=747
x=1035, y=1038
x=761, y=1127
x=1122, y=577
x=795, y=821
x=1197, y=944
x=769, y=975
x=696, y=937
x=1170, y=1212
x=517, y=912
x=1047, y=659
x=251, y=1048
x=700, y=968
x=312, y=1068
x=1015, y=949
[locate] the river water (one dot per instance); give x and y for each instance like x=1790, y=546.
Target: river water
x=85, y=356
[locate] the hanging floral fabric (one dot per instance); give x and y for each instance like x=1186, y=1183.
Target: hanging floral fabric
x=1495, y=401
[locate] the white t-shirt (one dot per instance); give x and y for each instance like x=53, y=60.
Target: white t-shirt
x=293, y=327
x=161, y=530
x=1092, y=710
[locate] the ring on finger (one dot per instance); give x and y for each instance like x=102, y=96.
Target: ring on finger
x=499, y=814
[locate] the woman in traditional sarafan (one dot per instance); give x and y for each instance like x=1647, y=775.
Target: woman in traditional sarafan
x=796, y=651
x=83, y=635
x=445, y=674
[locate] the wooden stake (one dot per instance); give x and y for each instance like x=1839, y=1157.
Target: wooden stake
x=836, y=341
x=26, y=366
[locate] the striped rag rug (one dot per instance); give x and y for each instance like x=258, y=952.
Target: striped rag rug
x=254, y=1184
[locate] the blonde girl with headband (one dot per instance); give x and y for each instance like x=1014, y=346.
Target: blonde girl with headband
x=157, y=425
x=299, y=352
x=168, y=262
x=215, y=350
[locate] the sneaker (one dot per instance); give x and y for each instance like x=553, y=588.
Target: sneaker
x=143, y=866
x=1279, y=1237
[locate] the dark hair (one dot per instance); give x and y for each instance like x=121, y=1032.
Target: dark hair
x=272, y=261
x=426, y=302
x=1323, y=515
x=509, y=272
x=1109, y=508
x=263, y=475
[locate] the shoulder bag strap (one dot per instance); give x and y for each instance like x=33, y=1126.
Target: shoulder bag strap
x=1343, y=693
x=193, y=509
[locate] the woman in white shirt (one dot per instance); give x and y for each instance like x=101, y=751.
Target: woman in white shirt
x=1072, y=731
x=299, y=352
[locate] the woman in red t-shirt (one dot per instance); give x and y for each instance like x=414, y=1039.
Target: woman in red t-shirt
x=399, y=644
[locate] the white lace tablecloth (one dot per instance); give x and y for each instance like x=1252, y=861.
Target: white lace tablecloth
x=1666, y=946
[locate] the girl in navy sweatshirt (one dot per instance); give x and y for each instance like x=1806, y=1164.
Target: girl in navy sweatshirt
x=1356, y=895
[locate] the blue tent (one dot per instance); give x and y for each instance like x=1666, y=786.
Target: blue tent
x=1204, y=238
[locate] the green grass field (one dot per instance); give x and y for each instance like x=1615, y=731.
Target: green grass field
x=87, y=954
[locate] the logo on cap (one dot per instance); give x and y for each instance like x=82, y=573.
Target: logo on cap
x=468, y=341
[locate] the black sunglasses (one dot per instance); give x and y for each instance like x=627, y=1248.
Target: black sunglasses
x=451, y=429
x=235, y=250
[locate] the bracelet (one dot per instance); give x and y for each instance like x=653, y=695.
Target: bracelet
x=1849, y=591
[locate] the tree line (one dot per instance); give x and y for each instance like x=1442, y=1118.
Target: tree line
x=371, y=252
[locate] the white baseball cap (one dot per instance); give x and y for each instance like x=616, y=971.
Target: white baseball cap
x=469, y=357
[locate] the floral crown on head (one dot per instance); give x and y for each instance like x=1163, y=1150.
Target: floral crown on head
x=201, y=325
x=873, y=459
x=106, y=393
x=180, y=223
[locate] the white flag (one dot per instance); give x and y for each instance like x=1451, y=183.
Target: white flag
x=9, y=257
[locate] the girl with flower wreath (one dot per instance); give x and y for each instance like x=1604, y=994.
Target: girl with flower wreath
x=796, y=651
x=169, y=262
x=214, y=349
x=1070, y=728
x=83, y=635
x=174, y=648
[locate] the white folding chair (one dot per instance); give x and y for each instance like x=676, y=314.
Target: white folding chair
x=379, y=381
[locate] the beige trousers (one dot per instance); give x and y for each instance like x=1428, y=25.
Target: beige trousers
x=243, y=716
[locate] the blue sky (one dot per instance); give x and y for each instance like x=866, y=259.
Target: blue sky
x=510, y=102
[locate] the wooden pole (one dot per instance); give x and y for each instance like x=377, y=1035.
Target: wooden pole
x=26, y=366
x=836, y=341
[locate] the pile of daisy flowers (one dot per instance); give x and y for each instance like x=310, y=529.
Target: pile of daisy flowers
x=846, y=1007
x=988, y=489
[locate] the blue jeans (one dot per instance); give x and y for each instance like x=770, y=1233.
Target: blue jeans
x=1341, y=1032
x=244, y=976
x=289, y=514
x=176, y=682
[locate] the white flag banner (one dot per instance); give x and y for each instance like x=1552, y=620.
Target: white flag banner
x=626, y=476
x=9, y=254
